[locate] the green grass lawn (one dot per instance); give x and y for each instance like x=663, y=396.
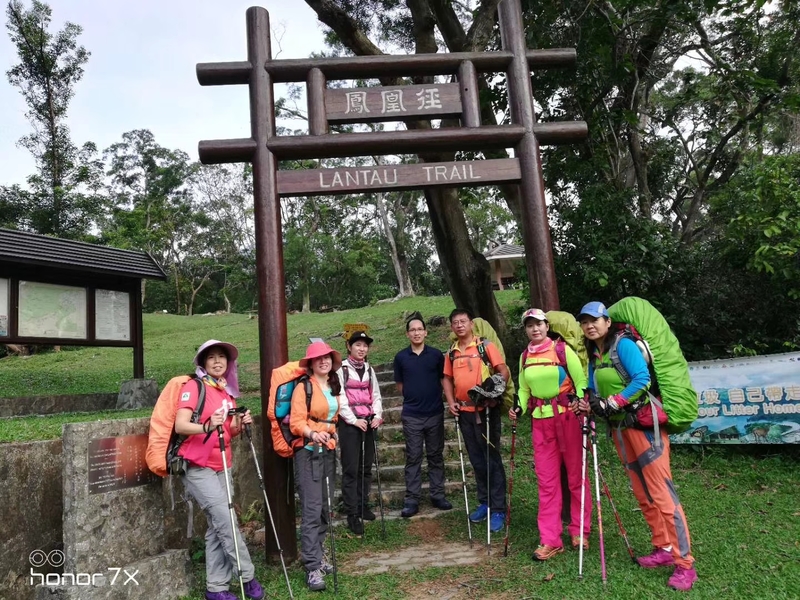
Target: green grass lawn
x=741, y=507
x=170, y=342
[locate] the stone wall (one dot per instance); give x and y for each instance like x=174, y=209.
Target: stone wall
x=30, y=512
x=48, y=405
x=32, y=507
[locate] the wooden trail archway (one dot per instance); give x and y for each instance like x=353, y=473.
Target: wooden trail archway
x=325, y=106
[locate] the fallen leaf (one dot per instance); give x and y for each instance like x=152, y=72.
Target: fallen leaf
x=549, y=577
x=720, y=486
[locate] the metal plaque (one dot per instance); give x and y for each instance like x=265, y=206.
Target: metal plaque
x=116, y=463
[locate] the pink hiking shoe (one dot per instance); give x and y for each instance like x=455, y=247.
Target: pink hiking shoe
x=657, y=558
x=682, y=579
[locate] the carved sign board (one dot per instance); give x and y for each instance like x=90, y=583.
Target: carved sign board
x=117, y=463
x=315, y=182
x=371, y=104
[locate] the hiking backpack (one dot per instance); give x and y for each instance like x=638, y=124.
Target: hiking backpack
x=638, y=320
x=163, y=442
x=283, y=382
x=486, y=333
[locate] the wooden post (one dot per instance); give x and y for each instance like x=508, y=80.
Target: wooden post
x=535, y=227
x=272, y=336
x=137, y=326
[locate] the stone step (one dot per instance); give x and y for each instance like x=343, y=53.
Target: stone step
x=394, y=493
x=396, y=473
x=395, y=453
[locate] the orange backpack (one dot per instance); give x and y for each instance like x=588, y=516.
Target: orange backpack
x=163, y=443
x=282, y=384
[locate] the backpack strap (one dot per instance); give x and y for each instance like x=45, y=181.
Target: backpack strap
x=201, y=400
x=307, y=385
x=561, y=354
x=482, y=353
x=614, y=355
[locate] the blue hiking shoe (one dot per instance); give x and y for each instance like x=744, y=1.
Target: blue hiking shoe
x=497, y=521
x=479, y=514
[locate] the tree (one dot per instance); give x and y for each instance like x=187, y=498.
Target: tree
x=150, y=200
x=63, y=199
x=412, y=26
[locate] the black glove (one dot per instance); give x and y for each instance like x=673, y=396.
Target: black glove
x=598, y=405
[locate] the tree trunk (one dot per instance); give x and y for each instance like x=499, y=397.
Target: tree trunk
x=306, y=299
x=465, y=269
x=144, y=290
x=403, y=278
x=227, y=302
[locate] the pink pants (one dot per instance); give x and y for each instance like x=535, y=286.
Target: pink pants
x=552, y=445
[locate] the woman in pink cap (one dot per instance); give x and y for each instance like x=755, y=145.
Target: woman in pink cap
x=315, y=462
x=551, y=379
x=204, y=477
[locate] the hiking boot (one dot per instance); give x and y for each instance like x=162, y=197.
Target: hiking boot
x=326, y=568
x=253, y=590
x=226, y=595
x=657, y=558
x=576, y=542
x=315, y=580
x=441, y=503
x=497, y=521
x=545, y=552
x=479, y=514
x=409, y=510
x=682, y=579
x=367, y=514
x=355, y=524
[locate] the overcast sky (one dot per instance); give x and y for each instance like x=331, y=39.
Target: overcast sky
x=141, y=73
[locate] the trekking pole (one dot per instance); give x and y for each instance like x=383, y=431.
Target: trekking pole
x=510, y=480
x=361, y=464
x=488, y=488
x=330, y=527
x=378, y=473
x=463, y=480
x=234, y=529
x=599, y=510
x=622, y=531
x=585, y=432
x=269, y=510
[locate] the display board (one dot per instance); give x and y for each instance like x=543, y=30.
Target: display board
x=112, y=315
x=54, y=311
x=3, y=307
x=749, y=400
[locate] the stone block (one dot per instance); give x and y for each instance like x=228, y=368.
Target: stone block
x=137, y=393
x=110, y=528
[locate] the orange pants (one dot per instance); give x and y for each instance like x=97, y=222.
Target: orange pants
x=651, y=478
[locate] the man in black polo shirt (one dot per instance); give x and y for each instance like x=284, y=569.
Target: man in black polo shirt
x=418, y=373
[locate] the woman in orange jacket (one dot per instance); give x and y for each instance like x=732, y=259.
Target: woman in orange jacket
x=315, y=462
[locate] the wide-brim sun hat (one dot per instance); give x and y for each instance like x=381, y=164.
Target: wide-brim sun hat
x=594, y=310
x=231, y=374
x=230, y=350
x=318, y=349
x=534, y=313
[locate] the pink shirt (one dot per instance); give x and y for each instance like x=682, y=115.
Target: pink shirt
x=193, y=449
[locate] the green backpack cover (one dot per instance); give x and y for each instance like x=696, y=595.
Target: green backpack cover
x=671, y=371
x=565, y=325
x=484, y=330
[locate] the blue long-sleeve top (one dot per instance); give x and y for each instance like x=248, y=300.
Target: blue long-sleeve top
x=604, y=379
